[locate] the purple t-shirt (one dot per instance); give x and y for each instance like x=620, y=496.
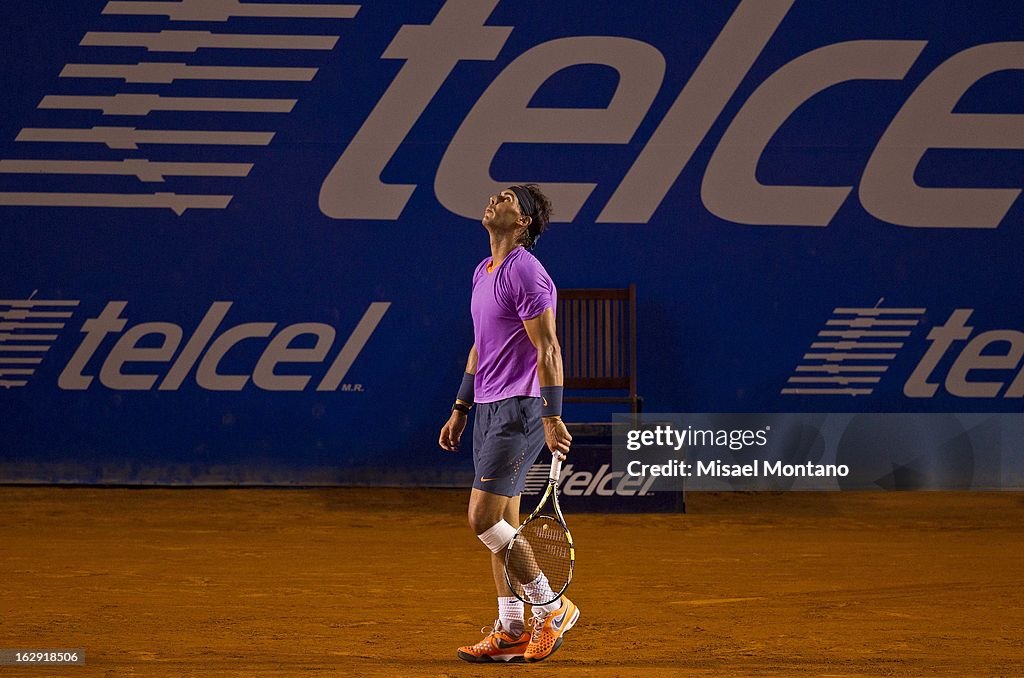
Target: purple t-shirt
x=519, y=289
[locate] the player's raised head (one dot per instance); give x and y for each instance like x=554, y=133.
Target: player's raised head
x=534, y=204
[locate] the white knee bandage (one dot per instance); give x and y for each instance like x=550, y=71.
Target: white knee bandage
x=497, y=536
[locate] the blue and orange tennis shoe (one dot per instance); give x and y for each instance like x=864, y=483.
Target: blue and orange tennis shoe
x=498, y=645
x=549, y=628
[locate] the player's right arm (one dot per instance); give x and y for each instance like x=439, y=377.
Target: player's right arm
x=451, y=432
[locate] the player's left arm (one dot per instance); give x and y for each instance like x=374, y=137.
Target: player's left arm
x=541, y=331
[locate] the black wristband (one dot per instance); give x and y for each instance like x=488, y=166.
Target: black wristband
x=459, y=407
x=466, y=388
x=551, y=401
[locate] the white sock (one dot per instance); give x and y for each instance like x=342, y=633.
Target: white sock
x=510, y=614
x=540, y=589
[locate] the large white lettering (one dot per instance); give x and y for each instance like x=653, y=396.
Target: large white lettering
x=501, y=115
x=353, y=189
x=694, y=111
x=731, y=189
x=888, y=189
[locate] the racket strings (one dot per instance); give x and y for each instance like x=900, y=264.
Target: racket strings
x=539, y=561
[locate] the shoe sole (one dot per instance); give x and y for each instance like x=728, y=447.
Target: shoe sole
x=558, y=641
x=488, y=659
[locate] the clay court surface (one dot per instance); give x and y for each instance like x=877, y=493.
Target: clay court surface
x=250, y=582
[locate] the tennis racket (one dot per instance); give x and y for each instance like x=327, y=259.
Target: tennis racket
x=540, y=557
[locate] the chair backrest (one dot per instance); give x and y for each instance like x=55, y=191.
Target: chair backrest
x=597, y=333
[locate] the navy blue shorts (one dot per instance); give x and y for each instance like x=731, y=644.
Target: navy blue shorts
x=507, y=438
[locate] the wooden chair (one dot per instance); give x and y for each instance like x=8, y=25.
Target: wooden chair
x=597, y=332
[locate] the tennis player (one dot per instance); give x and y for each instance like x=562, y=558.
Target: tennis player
x=514, y=377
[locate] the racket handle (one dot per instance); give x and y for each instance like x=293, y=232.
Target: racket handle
x=556, y=468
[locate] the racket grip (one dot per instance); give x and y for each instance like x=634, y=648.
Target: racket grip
x=556, y=468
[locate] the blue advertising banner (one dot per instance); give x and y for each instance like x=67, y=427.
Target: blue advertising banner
x=238, y=237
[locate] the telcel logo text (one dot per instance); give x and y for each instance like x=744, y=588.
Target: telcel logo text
x=206, y=349
x=1005, y=348
x=730, y=188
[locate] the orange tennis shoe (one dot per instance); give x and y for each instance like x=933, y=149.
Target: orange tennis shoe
x=549, y=628
x=497, y=646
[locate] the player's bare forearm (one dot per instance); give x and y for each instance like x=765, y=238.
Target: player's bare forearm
x=549, y=364
x=549, y=373
x=541, y=331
